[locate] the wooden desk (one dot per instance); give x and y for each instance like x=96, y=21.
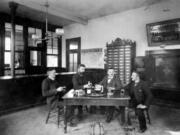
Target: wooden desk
x=69, y=100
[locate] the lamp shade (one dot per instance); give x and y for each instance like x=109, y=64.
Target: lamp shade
x=59, y=31
x=35, y=36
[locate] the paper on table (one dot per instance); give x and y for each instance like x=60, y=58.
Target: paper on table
x=71, y=93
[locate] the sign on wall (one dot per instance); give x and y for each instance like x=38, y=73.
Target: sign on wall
x=92, y=58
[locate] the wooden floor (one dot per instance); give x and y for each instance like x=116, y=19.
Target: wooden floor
x=165, y=121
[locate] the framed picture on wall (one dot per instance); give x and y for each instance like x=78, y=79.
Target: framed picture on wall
x=163, y=33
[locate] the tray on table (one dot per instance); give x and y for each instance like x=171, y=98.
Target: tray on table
x=96, y=95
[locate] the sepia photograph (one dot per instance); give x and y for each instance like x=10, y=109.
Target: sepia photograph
x=89, y=67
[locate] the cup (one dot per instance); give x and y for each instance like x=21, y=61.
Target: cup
x=88, y=91
x=122, y=93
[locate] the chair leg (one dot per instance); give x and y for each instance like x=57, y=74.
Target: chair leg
x=55, y=113
x=148, y=117
x=86, y=108
x=58, y=116
x=48, y=116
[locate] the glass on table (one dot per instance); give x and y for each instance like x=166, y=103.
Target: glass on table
x=98, y=88
x=110, y=91
x=122, y=93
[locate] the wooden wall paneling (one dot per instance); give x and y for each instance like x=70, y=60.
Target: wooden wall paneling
x=25, y=91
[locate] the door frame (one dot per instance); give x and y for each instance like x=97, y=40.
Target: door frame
x=77, y=39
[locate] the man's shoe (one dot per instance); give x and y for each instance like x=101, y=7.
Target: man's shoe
x=80, y=117
x=142, y=130
x=71, y=124
x=108, y=120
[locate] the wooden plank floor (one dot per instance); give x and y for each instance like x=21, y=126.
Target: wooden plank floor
x=165, y=121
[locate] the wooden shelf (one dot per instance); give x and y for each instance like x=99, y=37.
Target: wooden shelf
x=120, y=55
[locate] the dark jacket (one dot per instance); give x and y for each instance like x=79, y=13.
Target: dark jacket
x=115, y=82
x=140, y=94
x=79, y=80
x=49, y=90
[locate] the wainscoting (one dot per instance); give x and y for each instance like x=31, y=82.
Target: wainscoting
x=25, y=91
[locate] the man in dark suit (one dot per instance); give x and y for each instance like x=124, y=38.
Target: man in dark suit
x=141, y=98
x=51, y=89
x=79, y=81
x=110, y=82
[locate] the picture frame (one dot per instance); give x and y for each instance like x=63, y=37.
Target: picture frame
x=163, y=33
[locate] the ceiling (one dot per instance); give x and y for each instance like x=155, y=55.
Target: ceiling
x=65, y=12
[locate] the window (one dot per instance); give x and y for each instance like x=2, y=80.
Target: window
x=35, y=46
x=19, y=49
x=73, y=46
x=35, y=58
x=31, y=33
x=7, y=54
x=52, y=51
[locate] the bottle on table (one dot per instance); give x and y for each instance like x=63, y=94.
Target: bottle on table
x=89, y=87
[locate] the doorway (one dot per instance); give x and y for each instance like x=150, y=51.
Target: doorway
x=73, y=54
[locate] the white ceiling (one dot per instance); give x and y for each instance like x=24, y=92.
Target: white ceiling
x=65, y=12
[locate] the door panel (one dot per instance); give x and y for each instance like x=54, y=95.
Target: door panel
x=73, y=56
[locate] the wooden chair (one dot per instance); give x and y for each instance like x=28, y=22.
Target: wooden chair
x=147, y=115
x=57, y=113
x=146, y=112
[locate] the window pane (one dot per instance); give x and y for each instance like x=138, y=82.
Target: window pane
x=8, y=31
x=19, y=60
x=7, y=59
x=49, y=51
x=19, y=43
x=49, y=45
x=35, y=58
x=73, y=62
x=7, y=43
x=73, y=46
x=55, y=51
x=55, y=46
x=52, y=61
x=38, y=33
x=19, y=46
x=52, y=44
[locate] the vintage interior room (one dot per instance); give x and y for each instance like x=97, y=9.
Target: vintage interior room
x=106, y=67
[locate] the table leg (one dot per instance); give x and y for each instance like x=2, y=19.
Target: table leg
x=126, y=116
x=65, y=119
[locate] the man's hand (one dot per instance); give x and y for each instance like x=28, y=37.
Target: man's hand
x=140, y=106
x=59, y=89
x=86, y=86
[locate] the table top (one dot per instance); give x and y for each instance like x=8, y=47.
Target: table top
x=70, y=95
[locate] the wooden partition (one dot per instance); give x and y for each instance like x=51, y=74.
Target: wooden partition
x=162, y=71
x=25, y=91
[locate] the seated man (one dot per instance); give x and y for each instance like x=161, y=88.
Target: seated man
x=79, y=82
x=140, y=98
x=113, y=82
x=50, y=89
